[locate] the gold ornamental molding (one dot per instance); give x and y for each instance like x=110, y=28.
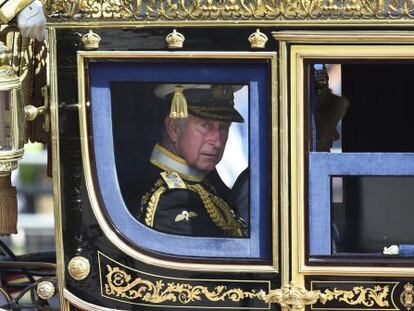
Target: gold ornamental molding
x=407, y=296
x=293, y=297
x=359, y=295
x=256, y=12
x=356, y=295
x=130, y=286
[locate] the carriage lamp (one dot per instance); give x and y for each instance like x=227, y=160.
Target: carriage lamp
x=12, y=139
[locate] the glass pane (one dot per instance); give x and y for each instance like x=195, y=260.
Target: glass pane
x=360, y=158
x=6, y=126
x=204, y=155
x=371, y=212
x=361, y=107
x=328, y=108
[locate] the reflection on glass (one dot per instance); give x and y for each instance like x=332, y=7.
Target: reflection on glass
x=366, y=107
x=371, y=212
x=360, y=121
x=328, y=109
x=6, y=142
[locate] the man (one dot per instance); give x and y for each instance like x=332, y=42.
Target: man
x=330, y=109
x=184, y=194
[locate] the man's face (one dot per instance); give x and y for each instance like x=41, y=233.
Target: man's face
x=201, y=142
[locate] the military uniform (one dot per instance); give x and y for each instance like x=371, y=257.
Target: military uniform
x=181, y=200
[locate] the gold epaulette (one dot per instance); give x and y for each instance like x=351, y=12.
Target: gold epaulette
x=10, y=8
x=152, y=206
x=220, y=212
x=173, y=180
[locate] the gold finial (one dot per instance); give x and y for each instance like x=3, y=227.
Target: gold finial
x=79, y=268
x=45, y=290
x=175, y=40
x=91, y=40
x=257, y=40
x=179, y=104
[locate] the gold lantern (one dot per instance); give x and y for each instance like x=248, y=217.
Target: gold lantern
x=12, y=139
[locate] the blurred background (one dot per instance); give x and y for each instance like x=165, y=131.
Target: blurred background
x=35, y=203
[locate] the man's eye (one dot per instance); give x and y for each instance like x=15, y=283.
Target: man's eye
x=224, y=126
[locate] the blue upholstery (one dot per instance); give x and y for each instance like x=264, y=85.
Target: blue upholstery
x=324, y=165
x=253, y=73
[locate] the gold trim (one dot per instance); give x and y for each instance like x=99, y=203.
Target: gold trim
x=83, y=56
x=170, y=154
x=167, y=168
x=283, y=131
x=366, y=296
x=256, y=12
x=336, y=37
x=121, y=284
x=407, y=296
x=275, y=203
x=152, y=207
x=329, y=52
x=293, y=296
x=290, y=24
x=359, y=295
x=54, y=119
x=219, y=212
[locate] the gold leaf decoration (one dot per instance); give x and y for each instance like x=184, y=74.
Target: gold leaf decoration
x=360, y=295
x=407, y=296
x=121, y=284
x=292, y=296
x=237, y=10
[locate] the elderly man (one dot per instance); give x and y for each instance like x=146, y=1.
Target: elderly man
x=182, y=185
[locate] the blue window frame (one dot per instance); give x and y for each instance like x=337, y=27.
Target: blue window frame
x=254, y=73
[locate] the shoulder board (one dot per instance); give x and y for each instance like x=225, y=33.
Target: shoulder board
x=173, y=180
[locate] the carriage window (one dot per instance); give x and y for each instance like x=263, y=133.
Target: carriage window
x=360, y=154
x=184, y=160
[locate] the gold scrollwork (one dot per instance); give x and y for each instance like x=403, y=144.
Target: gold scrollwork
x=121, y=284
x=360, y=295
x=146, y=10
x=292, y=296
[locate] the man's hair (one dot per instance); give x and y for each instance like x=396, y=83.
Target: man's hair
x=180, y=124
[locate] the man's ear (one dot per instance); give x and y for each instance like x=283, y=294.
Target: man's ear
x=171, y=127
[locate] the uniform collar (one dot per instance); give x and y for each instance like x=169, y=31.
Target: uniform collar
x=168, y=161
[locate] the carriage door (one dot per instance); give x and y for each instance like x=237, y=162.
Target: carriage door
x=347, y=98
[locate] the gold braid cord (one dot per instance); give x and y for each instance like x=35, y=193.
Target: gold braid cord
x=219, y=211
x=152, y=206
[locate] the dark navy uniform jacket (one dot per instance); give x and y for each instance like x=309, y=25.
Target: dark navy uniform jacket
x=181, y=200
